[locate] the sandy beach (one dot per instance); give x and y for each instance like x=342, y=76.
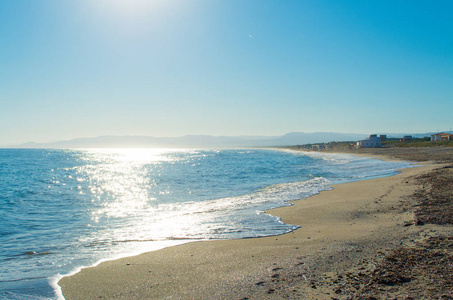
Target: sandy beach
x=340, y=252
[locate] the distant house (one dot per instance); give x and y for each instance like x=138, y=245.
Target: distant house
x=321, y=147
x=372, y=142
x=407, y=138
x=442, y=136
x=315, y=147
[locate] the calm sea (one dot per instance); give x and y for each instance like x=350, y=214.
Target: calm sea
x=61, y=210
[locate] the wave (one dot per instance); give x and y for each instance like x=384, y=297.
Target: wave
x=275, y=195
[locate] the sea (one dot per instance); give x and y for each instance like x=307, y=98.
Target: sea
x=62, y=210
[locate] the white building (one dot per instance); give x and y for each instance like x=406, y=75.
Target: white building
x=372, y=142
x=441, y=137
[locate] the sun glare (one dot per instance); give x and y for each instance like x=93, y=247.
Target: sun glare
x=132, y=17
x=132, y=8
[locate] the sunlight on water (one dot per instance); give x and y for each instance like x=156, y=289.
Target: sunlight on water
x=121, y=187
x=124, y=186
x=137, y=155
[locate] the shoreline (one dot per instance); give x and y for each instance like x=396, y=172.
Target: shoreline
x=267, y=267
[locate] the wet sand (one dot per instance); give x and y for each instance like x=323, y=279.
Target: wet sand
x=343, y=231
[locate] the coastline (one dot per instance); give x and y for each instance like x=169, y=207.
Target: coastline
x=340, y=228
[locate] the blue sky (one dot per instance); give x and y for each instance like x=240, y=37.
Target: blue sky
x=87, y=68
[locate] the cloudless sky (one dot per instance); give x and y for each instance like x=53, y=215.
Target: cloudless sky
x=86, y=68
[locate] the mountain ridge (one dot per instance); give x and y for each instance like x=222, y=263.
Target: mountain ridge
x=195, y=141
x=204, y=141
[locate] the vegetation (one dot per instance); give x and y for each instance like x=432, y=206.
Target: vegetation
x=416, y=142
x=390, y=143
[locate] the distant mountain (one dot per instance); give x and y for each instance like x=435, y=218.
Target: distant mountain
x=197, y=141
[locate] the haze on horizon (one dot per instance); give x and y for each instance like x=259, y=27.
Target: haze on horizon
x=166, y=68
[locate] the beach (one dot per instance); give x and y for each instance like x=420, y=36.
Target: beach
x=346, y=236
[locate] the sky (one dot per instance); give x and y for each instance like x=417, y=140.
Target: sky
x=164, y=68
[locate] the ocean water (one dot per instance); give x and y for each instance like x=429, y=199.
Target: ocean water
x=61, y=210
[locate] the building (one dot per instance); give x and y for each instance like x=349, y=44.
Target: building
x=372, y=142
x=407, y=138
x=442, y=136
x=315, y=147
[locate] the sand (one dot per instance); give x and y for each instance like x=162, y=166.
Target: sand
x=342, y=231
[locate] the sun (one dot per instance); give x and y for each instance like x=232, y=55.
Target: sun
x=124, y=10
x=133, y=7
x=130, y=17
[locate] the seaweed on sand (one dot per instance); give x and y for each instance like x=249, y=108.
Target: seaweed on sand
x=436, y=197
x=424, y=271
